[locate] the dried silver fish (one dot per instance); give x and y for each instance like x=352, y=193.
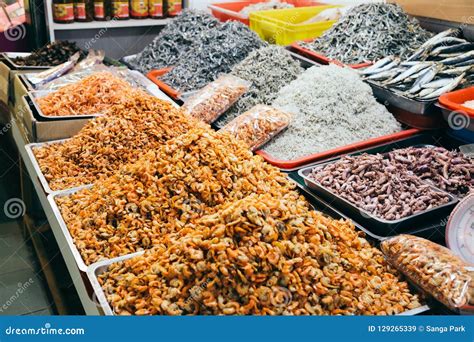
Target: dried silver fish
x=214, y=52
x=369, y=32
x=173, y=41
x=269, y=69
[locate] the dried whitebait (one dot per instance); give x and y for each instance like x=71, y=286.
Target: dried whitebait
x=173, y=41
x=369, y=32
x=269, y=69
x=214, y=52
x=332, y=107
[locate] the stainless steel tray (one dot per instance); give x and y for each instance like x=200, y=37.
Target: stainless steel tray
x=94, y=271
x=99, y=296
x=305, y=63
x=410, y=105
x=9, y=56
x=126, y=61
x=376, y=225
x=33, y=95
x=39, y=173
x=60, y=222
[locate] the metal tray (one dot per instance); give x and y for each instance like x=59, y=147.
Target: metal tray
x=100, y=298
x=60, y=222
x=126, y=61
x=34, y=162
x=376, y=225
x=410, y=105
x=33, y=95
x=9, y=56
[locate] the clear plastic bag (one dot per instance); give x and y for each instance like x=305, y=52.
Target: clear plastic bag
x=433, y=268
x=258, y=125
x=210, y=102
x=49, y=75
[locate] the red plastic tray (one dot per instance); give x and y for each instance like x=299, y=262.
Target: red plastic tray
x=230, y=10
x=455, y=99
x=299, y=162
x=154, y=77
x=323, y=59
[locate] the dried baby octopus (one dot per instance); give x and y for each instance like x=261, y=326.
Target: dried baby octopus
x=107, y=142
x=188, y=177
x=432, y=267
x=448, y=170
x=93, y=94
x=375, y=185
x=261, y=255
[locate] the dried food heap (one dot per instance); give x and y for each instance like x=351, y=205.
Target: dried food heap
x=107, y=142
x=331, y=107
x=448, y=170
x=167, y=48
x=269, y=69
x=369, y=32
x=214, y=52
x=261, y=255
x=190, y=176
x=374, y=184
x=51, y=54
x=93, y=94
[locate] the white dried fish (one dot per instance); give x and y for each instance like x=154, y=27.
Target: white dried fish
x=331, y=107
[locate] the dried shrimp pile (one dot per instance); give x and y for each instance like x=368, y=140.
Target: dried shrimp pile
x=188, y=177
x=93, y=94
x=261, y=255
x=107, y=142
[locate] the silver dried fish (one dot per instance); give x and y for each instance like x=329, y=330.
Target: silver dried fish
x=174, y=40
x=369, y=32
x=269, y=69
x=214, y=52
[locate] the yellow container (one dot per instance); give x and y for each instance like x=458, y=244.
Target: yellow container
x=283, y=26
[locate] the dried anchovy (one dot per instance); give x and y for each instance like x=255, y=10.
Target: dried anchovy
x=173, y=40
x=261, y=255
x=374, y=184
x=331, y=107
x=269, y=69
x=264, y=6
x=214, y=52
x=369, y=32
x=448, y=170
x=107, y=142
x=51, y=54
x=433, y=268
x=190, y=176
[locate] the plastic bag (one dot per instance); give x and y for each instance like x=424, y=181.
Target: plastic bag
x=210, y=102
x=433, y=268
x=93, y=58
x=46, y=76
x=258, y=125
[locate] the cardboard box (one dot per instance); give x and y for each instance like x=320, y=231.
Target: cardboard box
x=461, y=11
x=4, y=82
x=39, y=130
x=20, y=88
